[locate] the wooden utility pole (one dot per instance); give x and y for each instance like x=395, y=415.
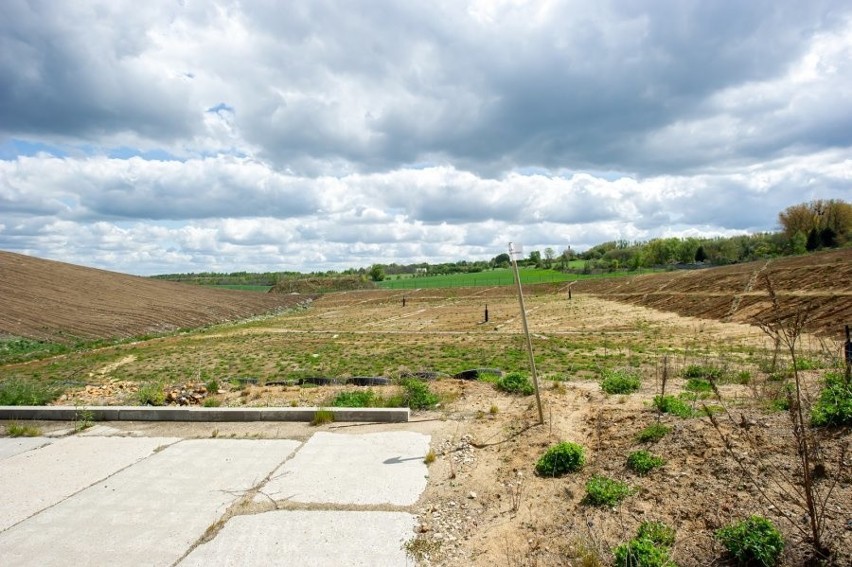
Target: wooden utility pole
x=512, y=255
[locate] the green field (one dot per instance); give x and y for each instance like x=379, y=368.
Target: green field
x=496, y=277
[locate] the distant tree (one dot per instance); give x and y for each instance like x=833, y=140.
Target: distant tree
x=798, y=243
x=500, y=260
x=700, y=256
x=813, y=241
x=827, y=237
x=535, y=258
x=377, y=273
x=549, y=255
x=820, y=214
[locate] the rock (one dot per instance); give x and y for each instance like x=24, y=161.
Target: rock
x=472, y=495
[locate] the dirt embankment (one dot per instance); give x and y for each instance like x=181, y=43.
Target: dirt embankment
x=818, y=283
x=47, y=300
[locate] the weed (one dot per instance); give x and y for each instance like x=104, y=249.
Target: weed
x=642, y=462
x=212, y=386
x=699, y=385
x=151, y=394
x=653, y=433
x=515, y=383
x=703, y=371
x=754, y=541
x=674, y=406
x=15, y=429
x=642, y=552
x=421, y=548
x=604, y=491
x=214, y=434
x=494, y=410
x=322, y=417
x=561, y=459
x=418, y=396
x=807, y=364
x=83, y=418
x=620, y=381
x=355, y=399
x=834, y=406
x=211, y=402
x=658, y=532
x=430, y=457
x=19, y=392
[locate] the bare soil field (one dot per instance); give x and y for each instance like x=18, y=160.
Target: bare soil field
x=820, y=283
x=47, y=300
x=485, y=504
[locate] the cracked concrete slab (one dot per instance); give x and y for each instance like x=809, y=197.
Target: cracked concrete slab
x=308, y=538
x=368, y=469
x=41, y=477
x=151, y=513
x=11, y=446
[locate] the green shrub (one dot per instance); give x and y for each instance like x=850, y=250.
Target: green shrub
x=417, y=395
x=641, y=552
x=212, y=386
x=151, y=394
x=698, y=385
x=703, y=371
x=515, y=383
x=18, y=392
x=560, y=459
x=834, y=406
x=355, y=399
x=803, y=363
x=211, y=402
x=754, y=541
x=620, y=382
x=673, y=405
x=653, y=433
x=642, y=462
x=658, y=532
x=603, y=491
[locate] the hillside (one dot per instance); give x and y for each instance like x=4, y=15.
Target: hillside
x=820, y=283
x=47, y=300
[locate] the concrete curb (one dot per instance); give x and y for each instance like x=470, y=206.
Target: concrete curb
x=149, y=413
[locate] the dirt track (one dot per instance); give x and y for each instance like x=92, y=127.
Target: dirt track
x=47, y=300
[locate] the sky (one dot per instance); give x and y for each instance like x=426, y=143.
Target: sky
x=174, y=136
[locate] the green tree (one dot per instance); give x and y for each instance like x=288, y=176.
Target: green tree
x=549, y=255
x=700, y=256
x=377, y=273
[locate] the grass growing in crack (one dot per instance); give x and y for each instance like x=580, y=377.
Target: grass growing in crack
x=322, y=417
x=430, y=457
x=20, y=392
x=653, y=433
x=642, y=462
x=561, y=459
x=753, y=541
x=604, y=491
x=620, y=381
x=15, y=429
x=515, y=383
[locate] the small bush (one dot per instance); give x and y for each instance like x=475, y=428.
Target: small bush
x=620, y=382
x=151, y=394
x=17, y=392
x=754, y=541
x=355, y=399
x=430, y=457
x=653, y=433
x=17, y=430
x=211, y=402
x=834, y=406
x=515, y=383
x=643, y=462
x=417, y=395
x=658, y=532
x=560, y=459
x=803, y=363
x=703, y=371
x=603, y=491
x=641, y=552
x=698, y=385
x=212, y=386
x=673, y=405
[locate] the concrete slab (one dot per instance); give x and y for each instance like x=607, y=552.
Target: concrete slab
x=10, y=446
x=333, y=468
x=147, y=514
x=37, y=479
x=308, y=539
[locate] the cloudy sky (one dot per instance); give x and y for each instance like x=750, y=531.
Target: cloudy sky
x=188, y=135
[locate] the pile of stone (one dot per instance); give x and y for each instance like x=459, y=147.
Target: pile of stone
x=187, y=395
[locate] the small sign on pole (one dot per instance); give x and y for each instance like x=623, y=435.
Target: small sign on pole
x=513, y=254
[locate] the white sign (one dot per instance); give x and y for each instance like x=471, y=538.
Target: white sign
x=516, y=251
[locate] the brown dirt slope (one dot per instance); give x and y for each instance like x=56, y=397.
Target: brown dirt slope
x=820, y=283
x=47, y=300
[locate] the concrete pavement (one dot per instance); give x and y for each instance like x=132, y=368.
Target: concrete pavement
x=163, y=501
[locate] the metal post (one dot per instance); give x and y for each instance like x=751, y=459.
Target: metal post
x=847, y=350
x=486, y=312
x=527, y=333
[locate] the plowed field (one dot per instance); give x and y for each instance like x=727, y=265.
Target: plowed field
x=47, y=300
